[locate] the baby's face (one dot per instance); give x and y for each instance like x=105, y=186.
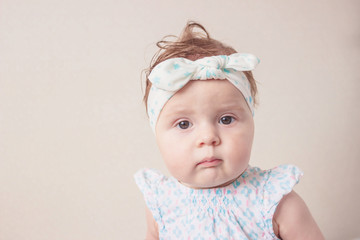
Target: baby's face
x=205, y=133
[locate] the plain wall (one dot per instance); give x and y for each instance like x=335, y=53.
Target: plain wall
x=73, y=128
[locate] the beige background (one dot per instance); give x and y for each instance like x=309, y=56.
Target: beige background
x=73, y=129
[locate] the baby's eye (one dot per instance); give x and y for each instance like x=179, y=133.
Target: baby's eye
x=226, y=120
x=184, y=124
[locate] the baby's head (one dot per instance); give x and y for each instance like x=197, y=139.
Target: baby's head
x=200, y=96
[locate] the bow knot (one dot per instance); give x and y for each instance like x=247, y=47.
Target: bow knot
x=173, y=74
x=217, y=62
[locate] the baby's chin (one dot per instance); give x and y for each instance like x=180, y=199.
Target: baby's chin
x=219, y=184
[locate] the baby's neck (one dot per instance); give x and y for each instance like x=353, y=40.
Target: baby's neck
x=217, y=186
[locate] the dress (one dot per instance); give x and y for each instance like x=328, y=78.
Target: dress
x=241, y=210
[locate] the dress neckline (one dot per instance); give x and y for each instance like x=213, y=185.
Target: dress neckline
x=228, y=189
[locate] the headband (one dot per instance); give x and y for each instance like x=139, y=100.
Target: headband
x=171, y=75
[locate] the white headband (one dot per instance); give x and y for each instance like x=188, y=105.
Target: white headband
x=171, y=75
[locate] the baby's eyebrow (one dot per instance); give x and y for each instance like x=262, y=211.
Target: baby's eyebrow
x=232, y=105
x=179, y=111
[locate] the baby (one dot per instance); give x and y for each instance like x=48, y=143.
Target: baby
x=200, y=97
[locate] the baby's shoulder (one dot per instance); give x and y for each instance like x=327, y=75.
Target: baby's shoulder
x=269, y=186
x=276, y=174
x=148, y=175
x=152, y=181
x=149, y=178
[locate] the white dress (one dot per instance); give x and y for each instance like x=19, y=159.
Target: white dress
x=241, y=210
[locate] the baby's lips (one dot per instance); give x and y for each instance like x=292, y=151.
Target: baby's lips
x=209, y=161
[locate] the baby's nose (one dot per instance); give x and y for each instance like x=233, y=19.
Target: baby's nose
x=208, y=136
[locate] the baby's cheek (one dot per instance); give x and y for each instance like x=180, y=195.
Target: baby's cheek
x=239, y=152
x=177, y=170
x=174, y=162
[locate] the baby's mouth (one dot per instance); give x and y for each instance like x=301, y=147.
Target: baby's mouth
x=209, y=162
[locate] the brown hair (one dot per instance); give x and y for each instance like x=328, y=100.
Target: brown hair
x=194, y=43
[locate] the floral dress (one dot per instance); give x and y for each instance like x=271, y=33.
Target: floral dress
x=241, y=210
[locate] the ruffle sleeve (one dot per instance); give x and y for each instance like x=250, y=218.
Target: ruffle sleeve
x=148, y=181
x=279, y=181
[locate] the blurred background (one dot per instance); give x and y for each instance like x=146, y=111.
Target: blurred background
x=73, y=128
